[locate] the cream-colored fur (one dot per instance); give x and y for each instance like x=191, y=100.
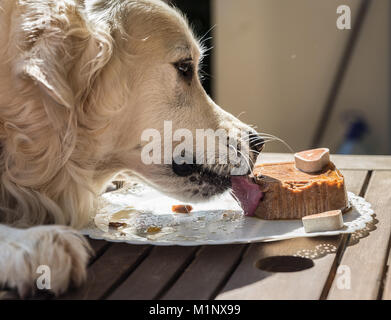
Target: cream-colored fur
x=79, y=82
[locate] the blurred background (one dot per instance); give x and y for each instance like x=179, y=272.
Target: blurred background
x=284, y=66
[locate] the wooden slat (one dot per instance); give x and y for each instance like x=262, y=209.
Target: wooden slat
x=119, y=260
x=248, y=282
x=366, y=259
x=341, y=161
x=98, y=245
x=206, y=274
x=354, y=180
x=156, y=272
x=251, y=283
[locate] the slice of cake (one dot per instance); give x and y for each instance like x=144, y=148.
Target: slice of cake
x=289, y=193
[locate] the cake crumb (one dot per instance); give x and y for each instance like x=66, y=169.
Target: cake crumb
x=154, y=229
x=182, y=208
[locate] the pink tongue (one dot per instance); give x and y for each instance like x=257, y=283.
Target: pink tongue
x=247, y=192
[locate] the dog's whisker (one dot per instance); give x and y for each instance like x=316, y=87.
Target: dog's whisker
x=204, y=51
x=231, y=191
x=240, y=114
x=268, y=138
x=245, y=158
x=204, y=73
x=273, y=140
x=256, y=152
x=202, y=39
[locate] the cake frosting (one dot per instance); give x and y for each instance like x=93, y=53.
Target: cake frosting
x=289, y=193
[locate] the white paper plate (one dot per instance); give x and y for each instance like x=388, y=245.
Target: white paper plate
x=220, y=221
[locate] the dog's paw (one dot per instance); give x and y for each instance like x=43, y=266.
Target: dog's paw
x=60, y=254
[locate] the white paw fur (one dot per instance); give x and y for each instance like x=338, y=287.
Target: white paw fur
x=22, y=251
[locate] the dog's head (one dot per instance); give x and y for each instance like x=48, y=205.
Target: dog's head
x=124, y=76
x=165, y=109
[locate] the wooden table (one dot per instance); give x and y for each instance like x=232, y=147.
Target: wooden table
x=352, y=270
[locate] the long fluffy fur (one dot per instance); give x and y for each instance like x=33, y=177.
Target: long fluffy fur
x=46, y=171
x=49, y=61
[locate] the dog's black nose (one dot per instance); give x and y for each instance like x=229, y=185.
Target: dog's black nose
x=183, y=170
x=256, y=142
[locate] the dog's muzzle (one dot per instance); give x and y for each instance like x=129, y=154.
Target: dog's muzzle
x=256, y=145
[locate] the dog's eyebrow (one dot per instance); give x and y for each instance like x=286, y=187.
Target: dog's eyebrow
x=183, y=53
x=188, y=59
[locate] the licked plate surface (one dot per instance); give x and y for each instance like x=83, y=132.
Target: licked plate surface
x=142, y=215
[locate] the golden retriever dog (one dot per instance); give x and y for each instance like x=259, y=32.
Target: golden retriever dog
x=80, y=81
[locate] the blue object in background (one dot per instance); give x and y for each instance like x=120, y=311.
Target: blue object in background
x=353, y=141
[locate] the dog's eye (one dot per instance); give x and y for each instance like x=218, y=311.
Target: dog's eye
x=185, y=69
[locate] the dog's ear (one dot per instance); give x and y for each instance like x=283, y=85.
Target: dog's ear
x=53, y=57
x=59, y=51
